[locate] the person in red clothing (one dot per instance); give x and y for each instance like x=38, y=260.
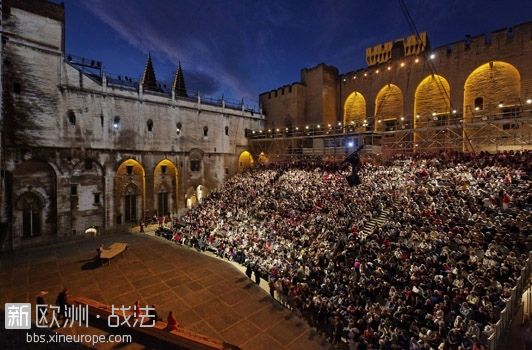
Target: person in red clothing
x=506, y=201
x=172, y=324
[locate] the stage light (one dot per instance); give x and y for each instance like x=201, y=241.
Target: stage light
x=432, y=56
x=402, y=64
x=500, y=105
x=416, y=60
x=454, y=111
x=350, y=144
x=529, y=101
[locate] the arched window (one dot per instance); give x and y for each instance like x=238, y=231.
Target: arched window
x=205, y=131
x=178, y=128
x=116, y=122
x=31, y=207
x=479, y=104
x=130, y=204
x=226, y=130
x=149, y=124
x=71, y=117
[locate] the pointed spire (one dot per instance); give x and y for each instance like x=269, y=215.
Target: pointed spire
x=179, y=83
x=149, y=82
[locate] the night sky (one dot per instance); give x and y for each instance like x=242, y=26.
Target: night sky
x=242, y=48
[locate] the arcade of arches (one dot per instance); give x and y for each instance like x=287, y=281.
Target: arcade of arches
x=490, y=89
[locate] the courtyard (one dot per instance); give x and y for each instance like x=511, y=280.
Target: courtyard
x=207, y=295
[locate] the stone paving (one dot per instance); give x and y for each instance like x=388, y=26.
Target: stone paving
x=206, y=294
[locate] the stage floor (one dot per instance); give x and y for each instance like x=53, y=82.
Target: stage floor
x=206, y=294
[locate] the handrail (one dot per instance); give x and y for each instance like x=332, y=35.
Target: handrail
x=512, y=306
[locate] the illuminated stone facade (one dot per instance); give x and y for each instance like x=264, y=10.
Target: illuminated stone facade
x=474, y=94
x=84, y=149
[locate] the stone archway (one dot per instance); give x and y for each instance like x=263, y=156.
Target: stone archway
x=245, y=161
x=388, y=108
x=130, y=189
x=432, y=99
x=165, y=188
x=490, y=88
x=355, y=111
x=35, y=201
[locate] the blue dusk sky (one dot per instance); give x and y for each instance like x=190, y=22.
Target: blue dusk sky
x=244, y=47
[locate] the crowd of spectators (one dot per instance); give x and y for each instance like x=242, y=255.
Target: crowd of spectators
x=436, y=275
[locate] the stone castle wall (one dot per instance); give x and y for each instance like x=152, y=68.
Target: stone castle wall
x=494, y=67
x=81, y=152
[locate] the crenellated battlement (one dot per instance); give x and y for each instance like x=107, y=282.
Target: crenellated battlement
x=281, y=91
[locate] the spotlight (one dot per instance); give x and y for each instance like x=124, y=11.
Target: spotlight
x=416, y=60
x=350, y=144
x=402, y=64
x=529, y=101
x=500, y=105
x=454, y=111
x=432, y=56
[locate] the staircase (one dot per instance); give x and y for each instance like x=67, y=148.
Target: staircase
x=375, y=222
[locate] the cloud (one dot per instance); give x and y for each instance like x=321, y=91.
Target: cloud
x=204, y=83
x=207, y=60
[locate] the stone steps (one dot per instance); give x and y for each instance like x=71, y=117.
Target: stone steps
x=375, y=222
